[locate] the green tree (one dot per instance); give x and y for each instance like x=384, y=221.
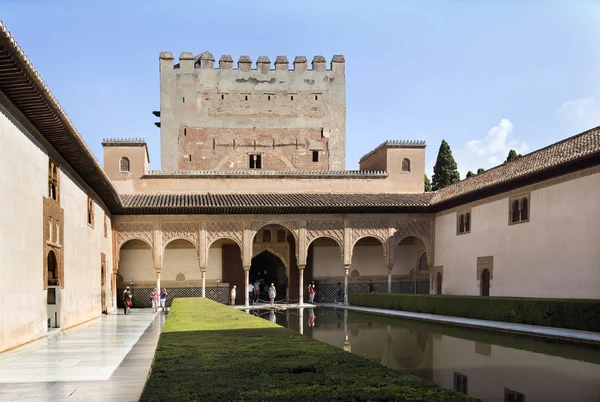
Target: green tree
x=445, y=171
x=512, y=155
x=480, y=170
x=427, y=184
x=470, y=174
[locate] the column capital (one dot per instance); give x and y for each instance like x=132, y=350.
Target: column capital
x=247, y=268
x=301, y=267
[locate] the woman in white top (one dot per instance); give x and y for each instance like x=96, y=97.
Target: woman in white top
x=233, y=295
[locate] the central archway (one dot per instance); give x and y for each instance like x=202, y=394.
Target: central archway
x=268, y=268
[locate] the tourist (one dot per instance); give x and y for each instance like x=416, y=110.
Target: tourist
x=256, y=291
x=233, y=292
x=124, y=299
x=311, y=318
x=251, y=293
x=154, y=296
x=163, y=300
x=370, y=285
x=311, y=292
x=273, y=317
x=272, y=293
x=128, y=300
x=340, y=293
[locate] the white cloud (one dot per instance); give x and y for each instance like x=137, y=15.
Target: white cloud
x=487, y=152
x=575, y=108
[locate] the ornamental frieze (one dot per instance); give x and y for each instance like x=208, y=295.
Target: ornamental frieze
x=224, y=229
x=132, y=230
x=180, y=230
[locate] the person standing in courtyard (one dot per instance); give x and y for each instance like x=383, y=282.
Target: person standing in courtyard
x=272, y=293
x=251, y=293
x=370, y=285
x=233, y=293
x=154, y=296
x=125, y=299
x=311, y=293
x=256, y=291
x=163, y=300
x=340, y=293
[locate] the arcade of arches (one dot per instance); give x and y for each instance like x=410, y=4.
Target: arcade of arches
x=199, y=255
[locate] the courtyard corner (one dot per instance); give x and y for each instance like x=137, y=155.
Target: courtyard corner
x=211, y=352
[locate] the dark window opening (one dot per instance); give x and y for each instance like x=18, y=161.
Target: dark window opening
x=524, y=209
x=184, y=99
x=461, y=226
x=190, y=157
x=321, y=133
x=185, y=131
x=485, y=282
x=467, y=222
x=292, y=97
x=246, y=97
x=281, y=236
x=316, y=97
x=515, y=211
x=513, y=396
x=222, y=97
x=406, y=165
x=269, y=97
x=255, y=161
x=124, y=165
x=266, y=237
x=90, y=212
x=53, y=181
x=315, y=156
x=460, y=383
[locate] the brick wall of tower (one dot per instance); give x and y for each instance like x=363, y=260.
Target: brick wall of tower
x=215, y=118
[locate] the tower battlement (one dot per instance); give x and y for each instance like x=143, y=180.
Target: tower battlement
x=252, y=114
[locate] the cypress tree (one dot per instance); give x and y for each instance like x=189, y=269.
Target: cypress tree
x=445, y=170
x=480, y=170
x=470, y=174
x=512, y=155
x=427, y=184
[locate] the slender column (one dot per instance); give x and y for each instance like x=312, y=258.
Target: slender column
x=346, y=269
x=390, y=278
x=158, y=281
x=203, y=273
x=247, y=279
x=301, y=286
x=347, y=346
x=301, y=320
x=115, y=291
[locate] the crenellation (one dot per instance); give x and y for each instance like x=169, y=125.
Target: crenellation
x=186, y=61
x=226, y=62
x=263, y=64
x=282, y=63
x=300, y=64
x=207, y=61
x=319, y=63
x=244, y=63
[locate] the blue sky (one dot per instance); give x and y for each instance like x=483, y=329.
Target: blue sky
x=486, y=76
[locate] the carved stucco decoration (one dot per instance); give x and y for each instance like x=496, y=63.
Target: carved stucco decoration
x=224, y=229
x=419, y=228
x=133, y=230
x=179, y=230
x=370, y=228
x=331, y=229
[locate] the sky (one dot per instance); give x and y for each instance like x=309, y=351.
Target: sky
x=487, y=76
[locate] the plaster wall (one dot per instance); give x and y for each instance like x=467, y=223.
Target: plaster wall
x=539, y=377
x=24, y=163
x=555, y=254
x=136, y=265
x=180, y=257
x=138, y=162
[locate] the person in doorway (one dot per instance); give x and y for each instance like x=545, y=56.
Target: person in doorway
x=163, y=300
x=311, y=293
x=371, y=286
x=272, y=293
x=124, y=299
x=251, y=293
x=233, y=292
x=154, y=296
x=256, y=291
x=340, y=293
x=128, y=300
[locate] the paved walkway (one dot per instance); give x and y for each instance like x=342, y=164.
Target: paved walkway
x=107, y=359
x=546, y=332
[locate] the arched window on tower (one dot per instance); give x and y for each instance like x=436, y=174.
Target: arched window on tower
x=124, y=165
x=406, y=165
x=266, y=236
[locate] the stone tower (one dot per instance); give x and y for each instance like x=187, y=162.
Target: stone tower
x=237, y=119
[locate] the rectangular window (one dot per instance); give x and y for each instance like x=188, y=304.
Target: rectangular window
x=513, y=396
x=315, y=156
x=463, y=222
x=90, y=212
x=255, y=161
x=460, y=383
x=57, y=233
x=105, y=226
x=519, y=209
x=53, y=180
x=49, y=229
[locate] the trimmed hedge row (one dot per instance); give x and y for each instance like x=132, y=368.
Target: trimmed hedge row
x=211, y=352
x=580, y=314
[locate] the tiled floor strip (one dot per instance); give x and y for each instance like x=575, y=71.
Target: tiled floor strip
x=547, y=332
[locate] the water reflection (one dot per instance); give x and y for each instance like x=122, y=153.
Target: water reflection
x=490, y=366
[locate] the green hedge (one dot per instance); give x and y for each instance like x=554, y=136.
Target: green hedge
x=581, y=314
x=211, y=352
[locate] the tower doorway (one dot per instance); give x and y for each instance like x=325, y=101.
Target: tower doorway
x=53, y=293
x=267, y=268
x=438, y=284
x=103, y=288
x=485, y=282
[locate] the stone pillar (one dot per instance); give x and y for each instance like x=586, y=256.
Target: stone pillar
x=390, y=278
x=301, y=320
x=203, y=273
x=115, y=291
x=247, y=276
x=158, y=281
x=346, y=269
x=301, y=286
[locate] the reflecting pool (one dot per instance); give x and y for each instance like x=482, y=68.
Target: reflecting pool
x=492, y=366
